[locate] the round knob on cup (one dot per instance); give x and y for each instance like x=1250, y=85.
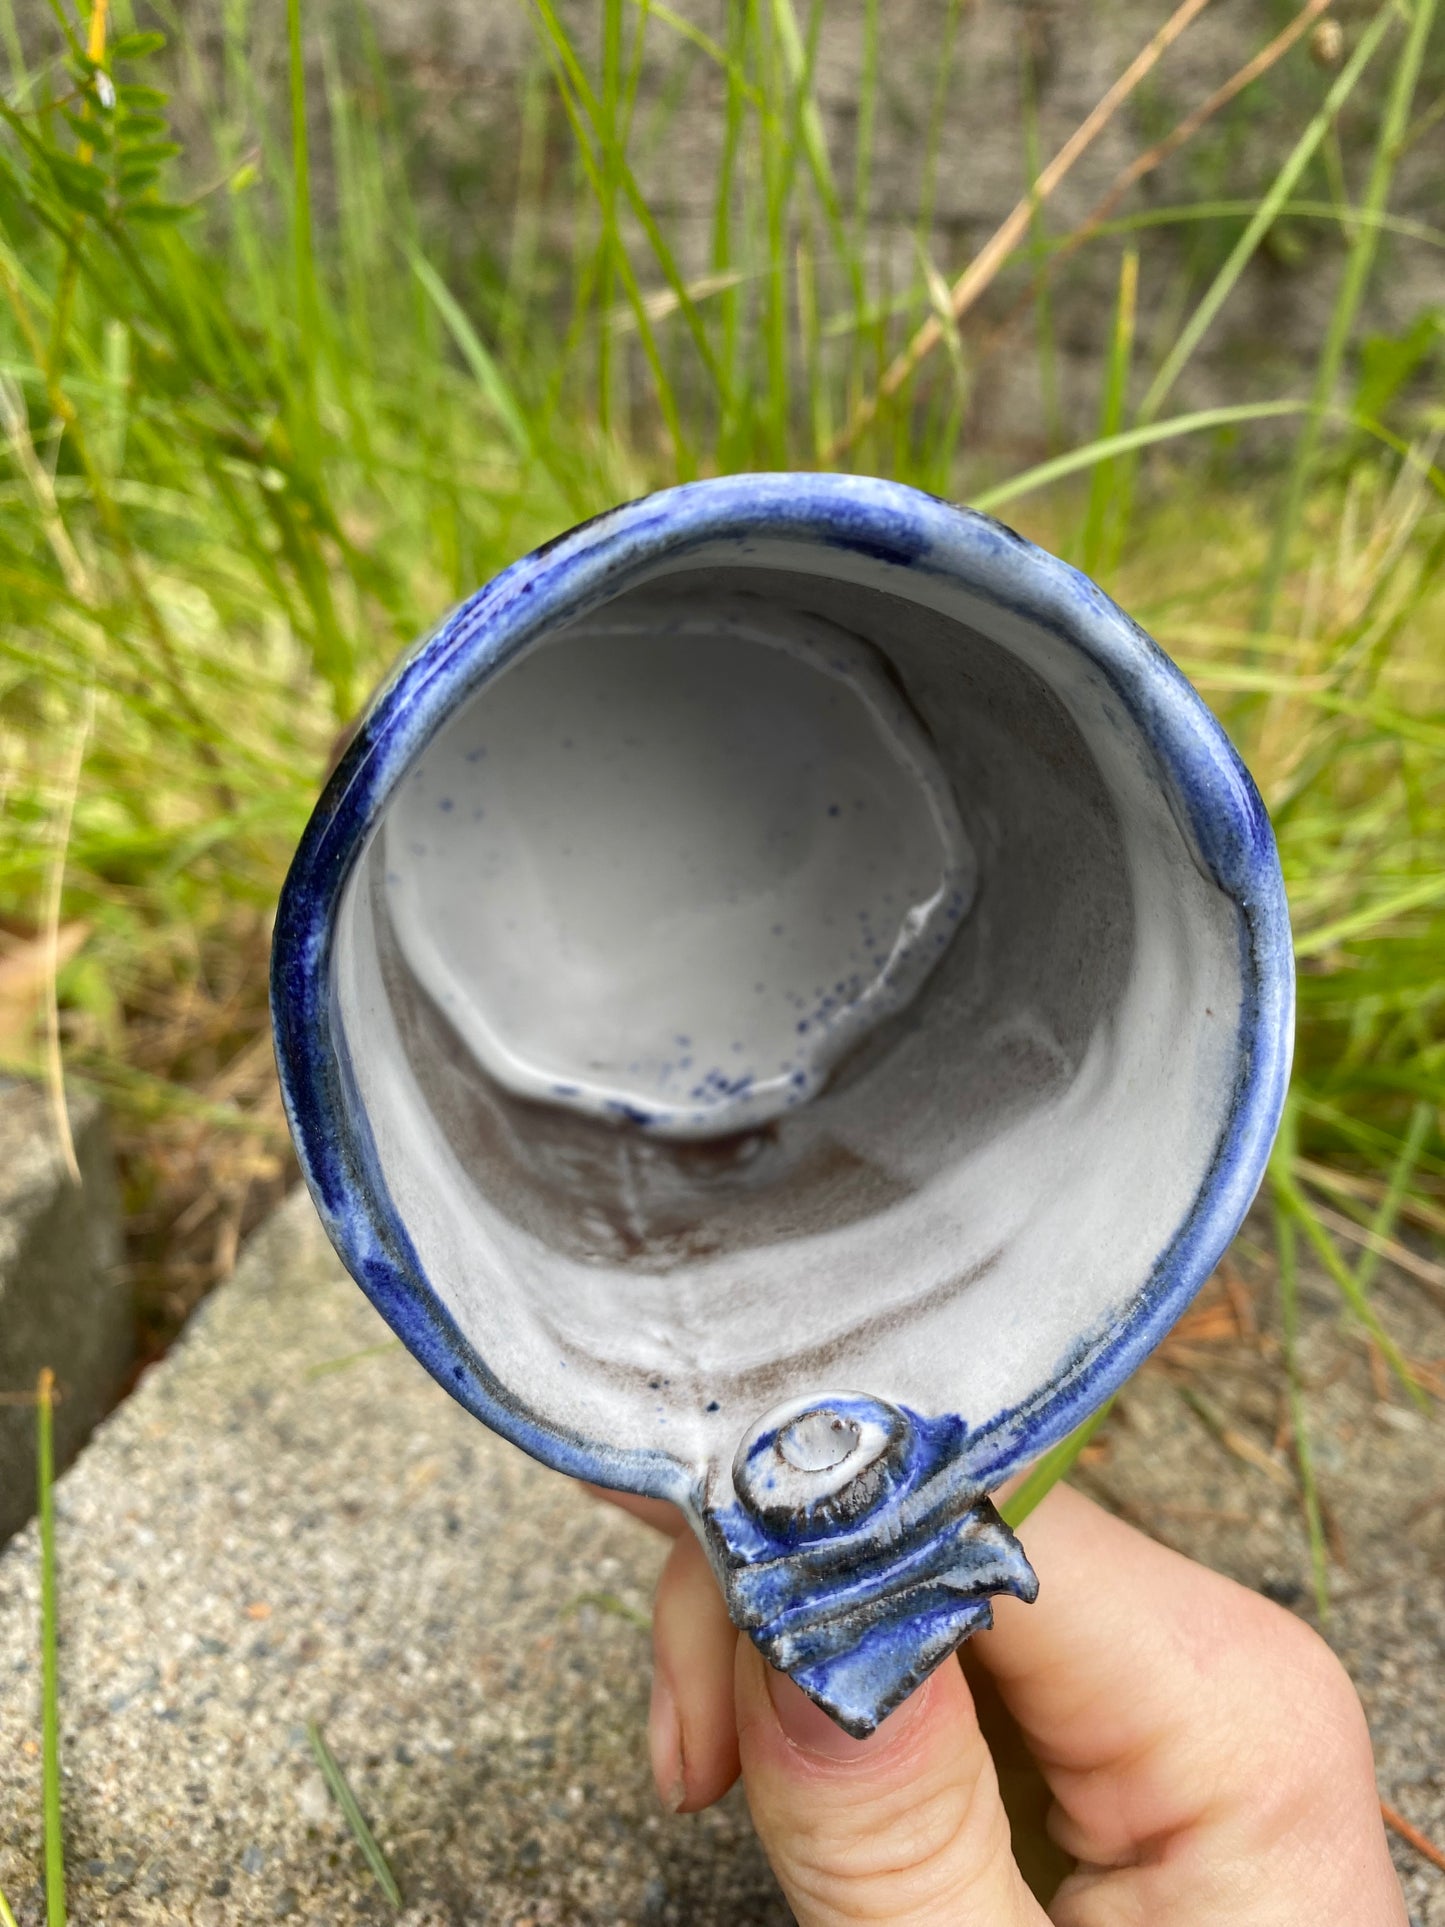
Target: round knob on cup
x=817, y=1463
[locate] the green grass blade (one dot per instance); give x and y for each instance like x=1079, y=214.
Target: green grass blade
x=478, y=357
x=1104, y=484
x=792, y=129
x=597, y=158
x=1199, y=213
x=55, y=1914
x=1366, y=1140
x=1266, y=213
x=1046, y=344
x=820, y=425
x=7, y=1918
x=1293, y=1202
x=610, y=247
x=929, y=188
x=1284, y=1236
x=1382, y=1225
x=1363, y=921
x=1031, y=480
x=526, y=236
x=798, y=62
x=608, y=1602
x=348, y=1359
x=355, y=1818
x=740, y=93
x=687, y=30
x=601, y=149
x=867, y=105
x=302, y=238
x=1044, y=1474
x=19, y=76
x=1358, y=266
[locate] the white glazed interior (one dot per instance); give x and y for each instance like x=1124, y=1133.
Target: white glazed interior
x=987, y=1178
x=672, y=864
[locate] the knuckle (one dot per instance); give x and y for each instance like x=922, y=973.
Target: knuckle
x=899, y=1865
x=1321, y=1691
x=1284, y=1740
x=1324, y=1758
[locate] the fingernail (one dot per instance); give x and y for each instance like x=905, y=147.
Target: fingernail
x=664, y=1745
x=813, y=1731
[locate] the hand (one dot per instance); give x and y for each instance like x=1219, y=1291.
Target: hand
x=1207, y=1757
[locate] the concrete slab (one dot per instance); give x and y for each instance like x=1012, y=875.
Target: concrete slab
x=63, y=1297
x=289, y=1521
x=274, y=1529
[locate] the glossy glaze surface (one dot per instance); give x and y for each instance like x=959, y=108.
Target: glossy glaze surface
x=981, y=1213
x=669, y=867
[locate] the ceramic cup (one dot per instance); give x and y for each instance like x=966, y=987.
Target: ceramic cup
x=786, y=997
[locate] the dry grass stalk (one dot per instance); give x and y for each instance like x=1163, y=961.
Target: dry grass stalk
x=54, y=1068
x=1423, y=1845
x=1154, y=157
x=982, y=270
x=1238, y=1444
x=1421, y=1269
x=1241, y=1300
x=26, y=963
x=1192, y=122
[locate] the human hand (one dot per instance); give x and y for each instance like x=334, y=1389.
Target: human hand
x=1207, y=1756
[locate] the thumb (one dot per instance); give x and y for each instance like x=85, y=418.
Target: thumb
x=905, y=1827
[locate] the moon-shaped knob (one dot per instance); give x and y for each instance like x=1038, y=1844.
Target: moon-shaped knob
x=819, y=1462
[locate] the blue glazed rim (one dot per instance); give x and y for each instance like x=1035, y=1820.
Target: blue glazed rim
x=904, y=529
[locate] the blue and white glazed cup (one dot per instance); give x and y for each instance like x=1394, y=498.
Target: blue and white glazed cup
x=785, y=999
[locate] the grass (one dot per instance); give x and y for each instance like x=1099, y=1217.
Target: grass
x=1286, y=1257
x=355, y=1819
x=264, y=422
x=1044, y=1474
x=55, y=1914
x=1394, y=124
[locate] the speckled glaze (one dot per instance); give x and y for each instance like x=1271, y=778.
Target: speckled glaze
x=689, y=855
x=938, y=1173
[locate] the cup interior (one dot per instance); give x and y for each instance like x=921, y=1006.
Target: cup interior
x=671, y=866
x=782, y=979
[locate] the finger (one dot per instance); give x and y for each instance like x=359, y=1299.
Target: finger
x=1165, y=1703
x=905, y=1827
x=660, y=1514
x=691, y=1730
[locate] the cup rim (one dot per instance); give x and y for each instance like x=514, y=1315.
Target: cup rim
x=899, y=528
